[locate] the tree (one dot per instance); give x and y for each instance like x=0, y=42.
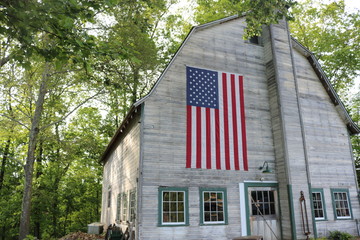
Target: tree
x=54, y=31
x=138, y=32
x=333, y=35
x=257, y=13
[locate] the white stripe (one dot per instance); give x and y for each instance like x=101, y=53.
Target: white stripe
x=230, y=123
x=238, y=119
x=203, y=138
x=193, y=137
x=221, y=123
x=213, y=140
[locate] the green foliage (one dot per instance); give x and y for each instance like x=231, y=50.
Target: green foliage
x=334, y=36
x=59, y=23
x=30, y=237
x=257, y=13
x=338, y=235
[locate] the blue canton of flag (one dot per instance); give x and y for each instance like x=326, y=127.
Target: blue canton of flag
x=202, y=88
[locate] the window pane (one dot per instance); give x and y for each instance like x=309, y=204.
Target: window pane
x=181, y=217
x=166, y=217
x=173, y=206
x=207, y=206
x=173, y=196
x=166, y=207
x=166, y=196
x=173, y=217
x=317, y=205
x=181, y=206
x=206, y=196
x=341, y=203
x=221, y=216
x=207, y=217
x=213, y=206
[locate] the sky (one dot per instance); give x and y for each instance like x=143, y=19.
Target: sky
x=352, y=4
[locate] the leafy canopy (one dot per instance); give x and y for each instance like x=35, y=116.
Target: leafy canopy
x=257, y=13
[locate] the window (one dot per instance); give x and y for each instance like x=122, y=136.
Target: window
x=132, y=205
x=341, y=203
x=254, y=40
x=213, y=206
x=118, y=207
x=124, y=212
x=318, y=204
x=263, y=202
x=109, y=197
x=173, y=206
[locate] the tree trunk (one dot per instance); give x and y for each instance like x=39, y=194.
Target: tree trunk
x=37, y=209
x=29, y=166
x=4, y=160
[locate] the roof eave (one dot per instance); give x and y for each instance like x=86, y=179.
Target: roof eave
x=133, y=110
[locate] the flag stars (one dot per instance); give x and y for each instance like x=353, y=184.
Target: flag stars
x=202, y=88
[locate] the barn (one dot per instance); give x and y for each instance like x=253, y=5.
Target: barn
x=237, y=138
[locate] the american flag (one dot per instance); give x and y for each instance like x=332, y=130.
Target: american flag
x=216, y=134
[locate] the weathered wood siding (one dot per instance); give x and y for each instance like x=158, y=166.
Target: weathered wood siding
x=222, y=48
x=328, y=149
x=121, y=169
x=291, y=162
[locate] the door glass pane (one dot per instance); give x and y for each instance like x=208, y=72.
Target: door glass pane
x=262, y=202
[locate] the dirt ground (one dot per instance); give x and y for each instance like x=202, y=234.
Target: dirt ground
x=82, y=236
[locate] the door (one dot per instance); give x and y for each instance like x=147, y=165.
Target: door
x=264, y=212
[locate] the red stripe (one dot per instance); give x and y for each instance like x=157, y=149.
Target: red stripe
x=188, y=137
x=234, y=122
x=217, y=138
x=243, y=126
x=198, y=137
x=226, y=123
x=208, y=139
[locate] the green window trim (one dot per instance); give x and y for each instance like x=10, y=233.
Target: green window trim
x=321, y=192
x=124, y=206
x=223, y=213
x=118, y=207
x=339, y=201
x=109, y=198
x=132, y=205
x=184, y=201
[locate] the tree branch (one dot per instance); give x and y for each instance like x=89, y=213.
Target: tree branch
x=4, y=60
x=14, y=120
x=73, y=110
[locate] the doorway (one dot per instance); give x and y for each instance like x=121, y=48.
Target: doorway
x=260, y=205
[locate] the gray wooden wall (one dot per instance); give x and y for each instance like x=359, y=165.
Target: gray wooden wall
x=222, y=48
x=121, y=170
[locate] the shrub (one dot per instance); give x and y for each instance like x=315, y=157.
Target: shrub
x=337, y=235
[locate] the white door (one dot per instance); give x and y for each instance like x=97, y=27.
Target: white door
x=264, y=212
